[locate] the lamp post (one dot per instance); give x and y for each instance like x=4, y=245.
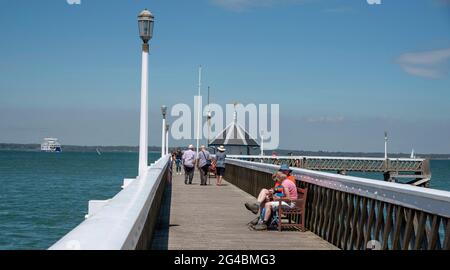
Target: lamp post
x=163, y=136
x=385, y=145
x=262, y=143
x=167, y=138
x=145, y=22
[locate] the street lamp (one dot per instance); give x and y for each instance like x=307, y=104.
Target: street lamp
x=167, y=139
x=145, y=22
x=163, y=135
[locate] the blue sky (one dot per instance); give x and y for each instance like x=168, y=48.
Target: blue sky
x=342, y=71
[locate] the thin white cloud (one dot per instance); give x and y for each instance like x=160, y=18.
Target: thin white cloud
x=429, y=64
x=241, y=5
x=325, y=119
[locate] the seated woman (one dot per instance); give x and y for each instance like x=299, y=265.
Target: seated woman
x=285, y=190
x=265, y=195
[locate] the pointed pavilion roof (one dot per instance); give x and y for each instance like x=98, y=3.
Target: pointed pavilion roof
x=234, y=135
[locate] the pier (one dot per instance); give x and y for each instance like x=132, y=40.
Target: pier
x=214, y=217
x=343, y=212
x=415, y=171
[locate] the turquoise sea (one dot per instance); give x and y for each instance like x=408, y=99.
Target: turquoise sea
x=45, y=195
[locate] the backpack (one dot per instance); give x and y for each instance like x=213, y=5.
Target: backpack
x=273, y=221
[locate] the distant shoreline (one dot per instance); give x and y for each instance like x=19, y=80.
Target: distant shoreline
x=281, y=152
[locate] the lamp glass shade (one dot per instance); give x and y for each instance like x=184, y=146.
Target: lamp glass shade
x=145, y=22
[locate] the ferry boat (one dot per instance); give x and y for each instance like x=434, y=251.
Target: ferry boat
x=51, y=145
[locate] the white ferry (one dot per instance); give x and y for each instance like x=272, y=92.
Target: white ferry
x=51, y=145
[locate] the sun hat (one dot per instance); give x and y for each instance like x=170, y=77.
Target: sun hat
x=285, y=167
x=191, y=146
x=221, y=148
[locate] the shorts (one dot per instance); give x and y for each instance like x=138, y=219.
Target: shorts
x=220, y=171
x=284, y=205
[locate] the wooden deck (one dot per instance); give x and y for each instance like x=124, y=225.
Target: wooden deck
x=214, y=218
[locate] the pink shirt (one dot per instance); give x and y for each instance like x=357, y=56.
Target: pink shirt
x=291, y=187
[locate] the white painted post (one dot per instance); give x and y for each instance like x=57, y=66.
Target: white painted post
x=163, y=138
x=167, y=139
x=143, y=137
x=199, y=109
x=262, y=143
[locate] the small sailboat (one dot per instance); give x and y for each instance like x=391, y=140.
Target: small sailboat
x=98, y=151
x=412, y=154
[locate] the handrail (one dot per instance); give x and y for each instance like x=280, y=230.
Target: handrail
x=120, y=223
x=425, y=199
x=355, y=213
x=321, y=157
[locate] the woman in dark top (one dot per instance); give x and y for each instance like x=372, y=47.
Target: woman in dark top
x=220, y=164
x=178, y=157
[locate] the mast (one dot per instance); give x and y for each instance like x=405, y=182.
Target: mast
x=385, y=144
x=199, y=105
x=209, y=119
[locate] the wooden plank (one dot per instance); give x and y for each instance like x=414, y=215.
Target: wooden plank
x=379, y=221
x=353, y=229
x=360, y=230
x=370, y=222
x=337, y=212
x=447, y=234
x=326, y=217
x=420, y=231
x=340, y=229
x=316, y=209
x=348, y=220
x=214, y=218
x=322, y=206
x=314, y=188
x=398, y=226
x=408, y=230
x=434, y=237
x=387, y=227
x=330, y=214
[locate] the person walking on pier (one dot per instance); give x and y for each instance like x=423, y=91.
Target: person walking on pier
x=220, y=164
x=189, y=159
x=204, y=161
x=178, y=157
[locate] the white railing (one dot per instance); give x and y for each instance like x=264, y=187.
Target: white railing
x=355, y=213
x=425, y=199
x=117, y=224
x=246, y=157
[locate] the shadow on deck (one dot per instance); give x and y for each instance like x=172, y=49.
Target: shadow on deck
x=195, y=217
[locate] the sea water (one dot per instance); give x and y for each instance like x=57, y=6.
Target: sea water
x=45, y=195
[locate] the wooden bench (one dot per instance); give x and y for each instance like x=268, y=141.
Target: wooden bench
x=295, y=217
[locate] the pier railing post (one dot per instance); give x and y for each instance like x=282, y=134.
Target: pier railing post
x=143, y=134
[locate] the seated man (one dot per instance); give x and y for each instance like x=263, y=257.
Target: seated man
x=286, y=190
x=265, y=195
